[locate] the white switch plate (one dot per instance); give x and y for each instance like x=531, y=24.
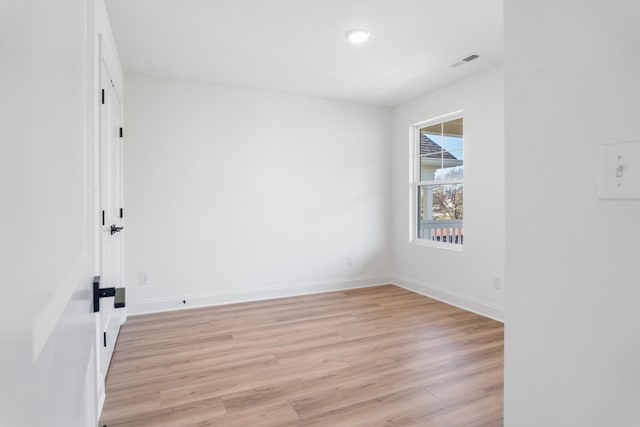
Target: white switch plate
x=620, y=170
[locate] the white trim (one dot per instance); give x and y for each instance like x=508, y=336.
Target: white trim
x=455, y=247
x=442, y=182
x=102, y=396
x=440, y=119
x=257, y=294
x=89, y=394
x=465, y=302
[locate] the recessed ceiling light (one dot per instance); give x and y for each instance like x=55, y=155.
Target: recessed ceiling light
x=358, y=35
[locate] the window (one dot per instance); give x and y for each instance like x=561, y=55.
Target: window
x=439, y=181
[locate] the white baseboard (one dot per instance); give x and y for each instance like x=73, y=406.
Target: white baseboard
x=483, y=308
x=102, y=396
x=245, y=295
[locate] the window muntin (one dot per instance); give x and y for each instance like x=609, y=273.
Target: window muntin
x=439, y=181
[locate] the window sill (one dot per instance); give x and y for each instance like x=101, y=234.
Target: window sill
x=432, y=244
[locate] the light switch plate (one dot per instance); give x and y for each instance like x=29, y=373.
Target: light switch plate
x=620, y=171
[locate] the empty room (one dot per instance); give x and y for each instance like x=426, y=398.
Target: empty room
x=320, y=213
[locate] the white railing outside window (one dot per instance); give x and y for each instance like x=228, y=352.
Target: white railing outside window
x=448, y=231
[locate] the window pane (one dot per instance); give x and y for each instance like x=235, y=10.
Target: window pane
x=448, y=174
x=431, y=141
x=441, y=202
x=440, y=213
x=429, y=165
x=452, y=137
x=422, y=204
x=453, y=167
x=429, y=144
x=443, y=141
x=451, y=144
x=453, y=128
x=458, y=156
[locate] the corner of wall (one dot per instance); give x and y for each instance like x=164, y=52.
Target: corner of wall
x=483, y=308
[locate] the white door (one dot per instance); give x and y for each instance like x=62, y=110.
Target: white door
x=111, y=221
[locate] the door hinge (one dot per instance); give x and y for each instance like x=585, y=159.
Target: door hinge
x=102, y=96
x=121, y=213
x=104, y=338
x=103, y=217
x=121, y=133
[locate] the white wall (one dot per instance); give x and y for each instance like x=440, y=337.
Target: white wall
x=572, y=341
x=461, y=278
x=235, y=194
x=47, y=361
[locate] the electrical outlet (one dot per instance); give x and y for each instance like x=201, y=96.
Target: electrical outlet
x=349, y=261
x=497, y=282
x=143, y=278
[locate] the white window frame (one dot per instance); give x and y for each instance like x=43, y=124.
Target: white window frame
x=414, y=181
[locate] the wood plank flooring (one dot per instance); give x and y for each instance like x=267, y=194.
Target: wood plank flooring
x=380, y=356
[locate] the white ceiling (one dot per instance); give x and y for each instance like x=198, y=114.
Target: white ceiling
x=299, y=46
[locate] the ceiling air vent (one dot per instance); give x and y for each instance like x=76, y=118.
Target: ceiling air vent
x=464, y=61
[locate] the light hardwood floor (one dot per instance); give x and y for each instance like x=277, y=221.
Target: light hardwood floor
x=380, y=356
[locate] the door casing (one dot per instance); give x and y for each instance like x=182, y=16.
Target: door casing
x=110, y=202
